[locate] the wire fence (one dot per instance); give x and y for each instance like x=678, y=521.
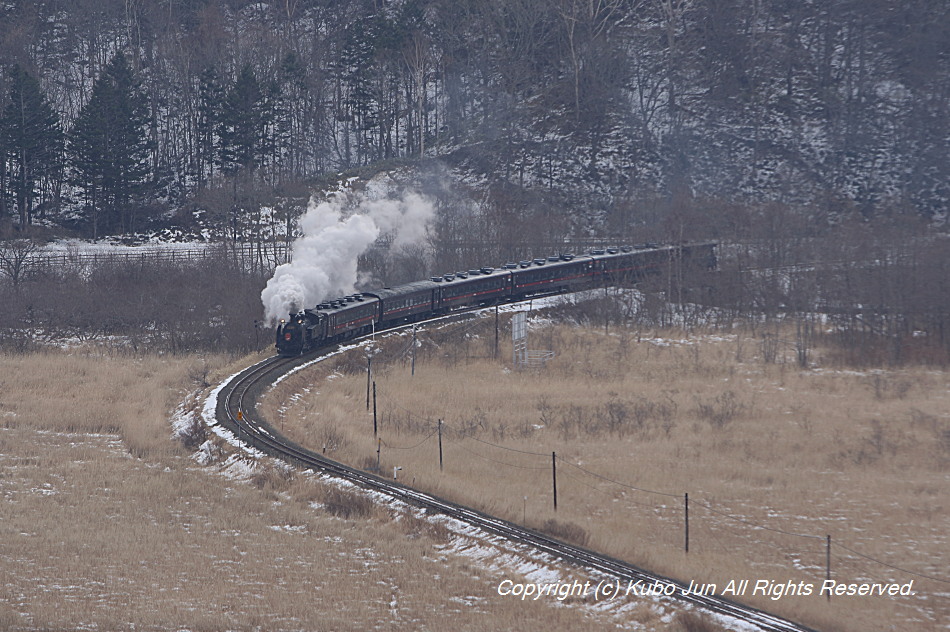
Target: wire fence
x=542, y=461
x=260, y=256
x=716, y=517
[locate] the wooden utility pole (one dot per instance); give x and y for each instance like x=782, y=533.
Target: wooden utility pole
x=554, y=476
x=369, y=377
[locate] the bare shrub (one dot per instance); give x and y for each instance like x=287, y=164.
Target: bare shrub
x=769, y=348
x=942, y=444
x=331, y=439
x=198, y=374
x=889, y=387
x=567, y=531
x=273, y=478
x=346, y=504
x=193, y=433
x=473, y=425
x=647, y=412
x=348, y=364
x=15, y=259
x=876, y=445
x=722, y=410
x=415, y=527
x=617, y=412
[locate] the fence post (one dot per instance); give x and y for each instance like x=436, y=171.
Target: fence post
x=686, y=512
x=828, y=561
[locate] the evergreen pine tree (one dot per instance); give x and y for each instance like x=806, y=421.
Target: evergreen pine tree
x=243, y=124
x=210, y=104
x=109, y=148
x=31, y=139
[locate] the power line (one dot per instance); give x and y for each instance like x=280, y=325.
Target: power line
x=758, y=526
x=896, y=568
x=520, y=467
x=501, y=447
x=413, y=447
x=610, y=480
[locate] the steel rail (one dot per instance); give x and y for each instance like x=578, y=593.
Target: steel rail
x=236, y=410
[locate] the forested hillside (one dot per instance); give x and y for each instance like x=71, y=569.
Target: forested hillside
x=590, y=114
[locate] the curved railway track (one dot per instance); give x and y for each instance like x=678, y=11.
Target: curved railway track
x=236, y=410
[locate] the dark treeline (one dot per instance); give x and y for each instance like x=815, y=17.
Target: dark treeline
x=810, y=138
x=612, y=112
x=149, y=305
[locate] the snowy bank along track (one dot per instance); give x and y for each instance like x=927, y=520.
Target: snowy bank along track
x=236, y=410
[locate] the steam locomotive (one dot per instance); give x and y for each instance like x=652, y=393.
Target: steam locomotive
x=358, y=314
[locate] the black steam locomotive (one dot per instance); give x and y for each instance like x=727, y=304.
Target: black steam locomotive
x=357, y=314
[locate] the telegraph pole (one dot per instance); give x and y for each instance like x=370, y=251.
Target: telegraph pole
x=369, y=377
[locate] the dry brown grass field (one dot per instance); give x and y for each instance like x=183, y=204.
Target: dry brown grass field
x=774, y=458
x=106, y=523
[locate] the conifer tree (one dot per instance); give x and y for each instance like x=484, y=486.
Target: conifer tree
x=109, y=149
x=31, y=139
x=210, y=104
x=243, y=124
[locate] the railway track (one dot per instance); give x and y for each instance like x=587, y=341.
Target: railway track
x=236, y=410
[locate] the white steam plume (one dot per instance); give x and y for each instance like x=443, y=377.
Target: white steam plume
x=326, y=253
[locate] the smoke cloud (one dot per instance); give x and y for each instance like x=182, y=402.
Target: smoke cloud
x=325, y=256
